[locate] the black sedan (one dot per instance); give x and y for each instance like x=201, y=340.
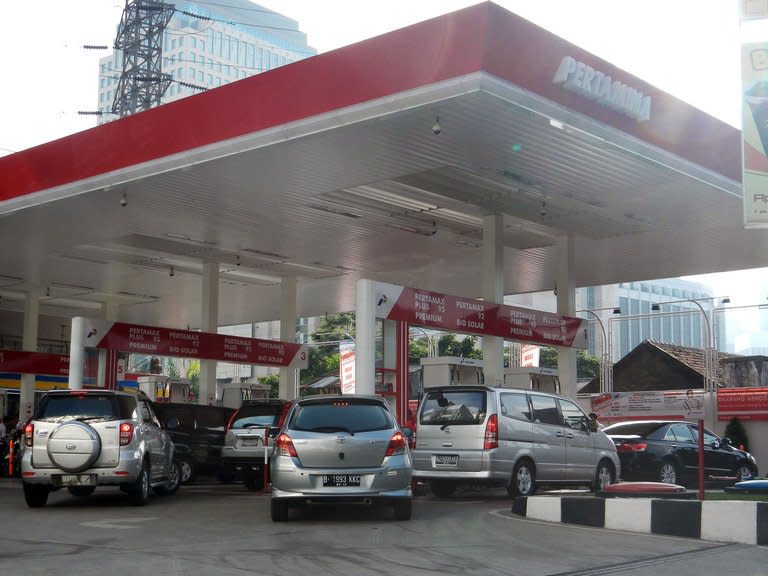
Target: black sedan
x=668, y=451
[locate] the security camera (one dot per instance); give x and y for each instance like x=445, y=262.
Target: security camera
x=436, y=129
x=123, y=201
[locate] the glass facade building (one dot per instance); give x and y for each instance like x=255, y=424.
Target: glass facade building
x=221, y=43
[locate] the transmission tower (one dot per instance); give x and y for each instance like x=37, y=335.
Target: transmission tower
x=140, y=37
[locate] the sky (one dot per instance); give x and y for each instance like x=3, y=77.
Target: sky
x=689, y=48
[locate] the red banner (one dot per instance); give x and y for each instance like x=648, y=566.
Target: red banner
x=744, y=403
x=471, y=316
x=153, y=341
x=34, y=363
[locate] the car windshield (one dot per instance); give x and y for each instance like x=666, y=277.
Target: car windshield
x=455, y=407
x=341, y=416
x=85, y=407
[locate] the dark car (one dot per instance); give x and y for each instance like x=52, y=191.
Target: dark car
x=247, y=437
x=667, y=451
x=198, y=432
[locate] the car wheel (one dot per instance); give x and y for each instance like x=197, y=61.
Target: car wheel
x=254, y=483
x=81, y=491
x=186, y=470
x=279, y=510
x=744, y=471
x=173, y=482
x=668, y=472
x=36, y=495
x=139, y=491
x=523, y=481
x=442, y=488
x=604, y=476
x=403, y=509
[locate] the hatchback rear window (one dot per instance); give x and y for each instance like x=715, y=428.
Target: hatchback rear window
x=351, y=417
x=628, y=428
x=91, y=406
x=454, y=407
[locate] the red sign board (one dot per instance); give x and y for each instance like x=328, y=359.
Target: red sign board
x=34, y=363
x=471, y=316
x=744, y=403
x=152, y=340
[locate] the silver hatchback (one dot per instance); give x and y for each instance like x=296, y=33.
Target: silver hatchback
x=340, y=449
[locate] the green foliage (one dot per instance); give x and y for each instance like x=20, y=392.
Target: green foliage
x=193, y=375
x=736, y=433
x=450, y=345
x=273, y=380
x=324, y=358
x=587, y=366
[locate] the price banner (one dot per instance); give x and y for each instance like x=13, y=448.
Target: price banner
x=34, y=363
x=744, y=403
x=471, y=316
x=156, y=341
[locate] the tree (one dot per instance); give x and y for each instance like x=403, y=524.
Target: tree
x=450, y=345
x=587, y=366
x=324, y=358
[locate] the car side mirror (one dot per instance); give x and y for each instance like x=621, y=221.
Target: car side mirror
x=715, y=445
x=726, y=442
x=592, y=425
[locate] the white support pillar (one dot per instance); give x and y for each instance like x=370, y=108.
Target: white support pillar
x=76, y=353
x=289, y=382
x=210, y=323
x=29, y=344
x=493, y=291
x=566, y=306
x=365, y=341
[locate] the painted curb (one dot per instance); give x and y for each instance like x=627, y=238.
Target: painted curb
x=718, y=521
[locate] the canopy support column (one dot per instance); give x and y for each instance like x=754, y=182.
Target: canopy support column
x=209, y=323
x=565, y=290
x=493, y=291
x=289, y=382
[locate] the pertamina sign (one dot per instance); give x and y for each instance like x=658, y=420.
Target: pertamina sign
x=471, y=316
x=155, y=341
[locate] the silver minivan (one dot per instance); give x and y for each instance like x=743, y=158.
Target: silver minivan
x=509, y=437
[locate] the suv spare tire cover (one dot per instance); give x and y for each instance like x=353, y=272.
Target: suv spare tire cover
x=74, y=446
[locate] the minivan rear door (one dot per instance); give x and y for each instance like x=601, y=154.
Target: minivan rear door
x=451, y=428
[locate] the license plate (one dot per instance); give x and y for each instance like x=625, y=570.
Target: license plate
x=250, y=441
x=341, y=480
x=446, y=459
x=78, y=480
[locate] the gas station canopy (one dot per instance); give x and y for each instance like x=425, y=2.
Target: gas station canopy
x=378, y=161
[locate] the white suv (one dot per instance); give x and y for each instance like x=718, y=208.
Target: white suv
x=80, y=439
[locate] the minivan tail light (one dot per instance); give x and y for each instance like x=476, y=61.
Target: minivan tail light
x=396, y=444
x=491, y=433
x=284, y=446
x=632, y=447
x=29, y=431
x=126, y=433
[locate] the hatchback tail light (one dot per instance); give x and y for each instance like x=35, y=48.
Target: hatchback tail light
x=396, y=444
x=491, y=433
x=126, y=433
x=632, y=447
x=284, y=446
x=29, y=431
